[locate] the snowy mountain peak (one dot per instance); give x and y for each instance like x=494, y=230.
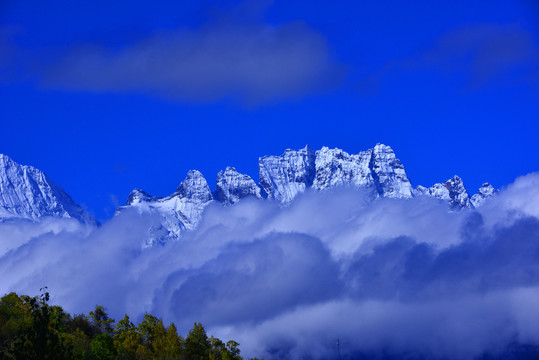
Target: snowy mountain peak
x=458, y=194
x=389, y=174
x=283, y=177
x=376, y=170
x=138, y=196
x=485, y=192
x=452, y=191
x=26, y=192
x=233, y=186
x=335, y=167
x=195, y=187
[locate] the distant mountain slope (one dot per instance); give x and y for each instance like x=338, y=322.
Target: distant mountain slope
x=26, y=192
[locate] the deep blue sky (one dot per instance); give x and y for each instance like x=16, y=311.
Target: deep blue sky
x=105, y=97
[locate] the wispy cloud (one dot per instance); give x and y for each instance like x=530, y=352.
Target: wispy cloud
x=249, y=62
x=478, y=56
x=487, y=54
x=394, y=278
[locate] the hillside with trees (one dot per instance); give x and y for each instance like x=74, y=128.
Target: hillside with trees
x=31, y=328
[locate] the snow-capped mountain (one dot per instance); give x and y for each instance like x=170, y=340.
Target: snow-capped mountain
x=283, y=177
x=376, y=171
x=177, y=212
x=452, y=191
x=233, y=186
x=485, y=192
x=27, y=193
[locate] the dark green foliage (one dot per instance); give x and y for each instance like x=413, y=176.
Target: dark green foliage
x=99, y=319
x=197, y=344
x=30, y=329
x=102, y=347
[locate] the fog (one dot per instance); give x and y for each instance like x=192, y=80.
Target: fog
x=388, y=278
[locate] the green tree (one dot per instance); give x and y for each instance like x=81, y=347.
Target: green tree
x=40, y=341
x=197, y=344
x=167, y=344
x=75, y=345
x=81, y=322
x=100, y=321
x=233, y=349
x=102, y=347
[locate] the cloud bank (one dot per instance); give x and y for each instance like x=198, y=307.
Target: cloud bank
x=396, y=278
x=249, y=62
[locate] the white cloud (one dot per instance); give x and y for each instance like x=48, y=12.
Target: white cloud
x=249, y=62
x=399, y=276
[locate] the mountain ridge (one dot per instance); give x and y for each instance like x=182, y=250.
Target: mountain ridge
x=26, y=192
x=376, y=171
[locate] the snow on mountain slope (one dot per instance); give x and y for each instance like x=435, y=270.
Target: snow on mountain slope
x=376, y=171
x=27, y=193
x=485, y=192
x=283, y=177
x=335, y=167
x=233, y=186
x=452, y=191
x=389, y=174
x=177, y=212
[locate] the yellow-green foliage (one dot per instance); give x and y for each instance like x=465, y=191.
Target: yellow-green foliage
x=30, y=328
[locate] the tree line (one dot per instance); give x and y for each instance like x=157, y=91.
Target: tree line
x=30, y=329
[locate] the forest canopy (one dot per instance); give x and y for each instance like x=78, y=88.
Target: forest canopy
x=31, y=328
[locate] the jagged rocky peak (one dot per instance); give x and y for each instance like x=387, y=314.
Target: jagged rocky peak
x=335, y=167
x=485, y=192
x=233, y=186
x=389, y=174
x=195, y=187
x=458, y=195
x=376, y=170
x=26, y=192
x=138, y=196
x=451, y=190
x=177, y=212
x=283, y=177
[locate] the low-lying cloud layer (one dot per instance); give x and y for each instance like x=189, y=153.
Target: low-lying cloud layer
x=391, y=278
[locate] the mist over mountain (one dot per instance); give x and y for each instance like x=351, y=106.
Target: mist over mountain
x=376, y=172
x=327, y=246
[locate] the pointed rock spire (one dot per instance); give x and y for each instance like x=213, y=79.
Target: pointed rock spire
x=195, y=187
x=233, y=186
x=485, y=192
x=389, y=174
x=451, y=190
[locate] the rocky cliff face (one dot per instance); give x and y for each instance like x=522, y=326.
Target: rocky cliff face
x=376, y=171
x=233, y=186
x=26, y=192
x=283, y=177
x=486, y=191
x=389, y=175
x=452, y=191
x=178, y=211
x=335, y=167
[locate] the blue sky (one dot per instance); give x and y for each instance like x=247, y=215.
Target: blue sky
x=105, y=98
